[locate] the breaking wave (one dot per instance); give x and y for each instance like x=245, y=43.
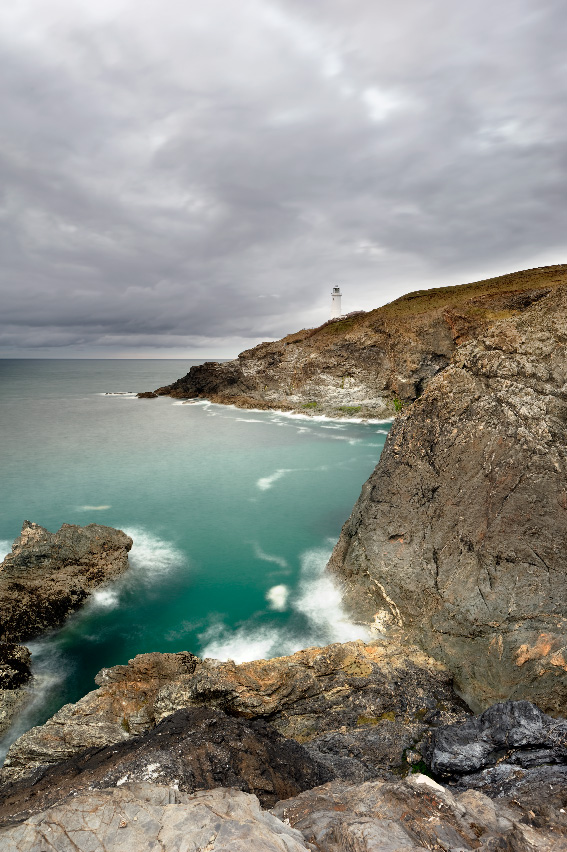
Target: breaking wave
x=316, y=603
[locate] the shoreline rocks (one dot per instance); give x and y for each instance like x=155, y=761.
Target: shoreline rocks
x=352, y=706
x=47, y=576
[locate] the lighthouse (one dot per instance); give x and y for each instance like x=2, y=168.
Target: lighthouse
x=335, y=302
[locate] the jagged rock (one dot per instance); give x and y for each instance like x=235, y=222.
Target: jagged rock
x=147, y=395
x=146, y=818
x=516, y=732
x=197, y=749
x=349, y=690
x=458, y=538
x=366, y=364
x=48, y=575
x=414, y=815
x=15, y=675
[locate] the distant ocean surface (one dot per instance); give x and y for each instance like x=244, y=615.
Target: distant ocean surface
x=233, y=514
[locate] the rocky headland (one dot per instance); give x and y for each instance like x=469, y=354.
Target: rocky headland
x=45, y=578
x=453, y=556
x=366, y=364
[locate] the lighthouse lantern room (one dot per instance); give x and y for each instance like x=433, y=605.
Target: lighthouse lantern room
x=335, y=302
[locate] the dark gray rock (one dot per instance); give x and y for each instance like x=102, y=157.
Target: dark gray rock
x=515, y=732
x=49, y=575
x=458, y=539
x=197, y=749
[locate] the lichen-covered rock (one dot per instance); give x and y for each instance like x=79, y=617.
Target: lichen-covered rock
x=48, y=575
x=458, y=539
x=366, y=364
x=382, y=696
x=146, y=818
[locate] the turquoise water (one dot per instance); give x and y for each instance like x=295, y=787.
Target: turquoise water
x=233, y=515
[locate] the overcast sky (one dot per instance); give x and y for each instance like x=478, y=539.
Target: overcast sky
x=183, y=178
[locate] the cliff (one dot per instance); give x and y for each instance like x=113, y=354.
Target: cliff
x=367, y=364
x=458, y=538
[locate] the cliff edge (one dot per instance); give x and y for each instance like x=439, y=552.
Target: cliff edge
x=366, y=364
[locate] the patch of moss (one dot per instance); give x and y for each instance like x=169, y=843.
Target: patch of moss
x=350, y=409
x=309, y=405
x=366, y=720
x=125, y=725
x=387, y=717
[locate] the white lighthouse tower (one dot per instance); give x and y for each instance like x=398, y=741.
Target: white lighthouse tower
x=335, y=302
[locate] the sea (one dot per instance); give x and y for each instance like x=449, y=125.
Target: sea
x=233, y=514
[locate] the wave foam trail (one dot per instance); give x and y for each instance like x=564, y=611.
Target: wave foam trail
x=5, y=548
x=246, y=644
x=93, y=508
x=152, y=557
x=105, y=598
x=267, y=481
x=48, y=673
x=268, y=557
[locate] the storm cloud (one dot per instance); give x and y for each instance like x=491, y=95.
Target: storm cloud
x=188, y=178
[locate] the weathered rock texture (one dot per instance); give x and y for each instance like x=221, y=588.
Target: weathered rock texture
x=414, y=815
x=515, y=732
x=196, y=749
x=148, y=818
x=459, y=537
x=357, y=708
x=365, y=364
x=48, y=575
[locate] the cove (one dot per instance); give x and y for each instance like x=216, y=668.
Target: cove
x=233, y=514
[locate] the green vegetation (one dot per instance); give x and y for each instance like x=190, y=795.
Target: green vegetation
x=350, y=409
x=125, y=725
x=340, y=326
x=309, y=405
x=366, y=720
x=398, y=404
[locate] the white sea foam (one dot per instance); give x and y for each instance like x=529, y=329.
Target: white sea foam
x=249, y=420
x=277, y=597
x=48, y=673
x=245, y=643
x=317, y=599
x=152, y=557
x=268, y=557
x=105, y=598
x=320, y=601
x=93, y=508
x=5, y=548
x=267, y=481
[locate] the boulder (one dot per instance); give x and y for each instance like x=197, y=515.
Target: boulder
x=146, y=817
x=47, y=575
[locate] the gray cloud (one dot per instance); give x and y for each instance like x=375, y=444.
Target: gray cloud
x=184, y=178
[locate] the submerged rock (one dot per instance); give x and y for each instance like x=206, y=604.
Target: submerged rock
x=357, y=708
x=458, y=539
x=47, y=575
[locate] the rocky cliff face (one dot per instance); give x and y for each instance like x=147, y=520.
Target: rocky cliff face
x=458, y=538
x=48, y=575
x=366, y=364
